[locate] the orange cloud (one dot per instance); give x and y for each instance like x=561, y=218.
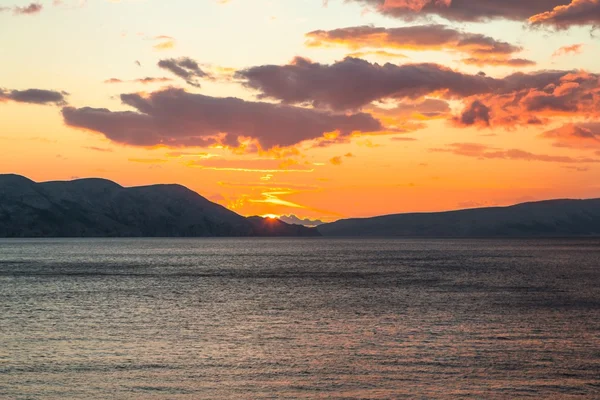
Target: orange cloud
x=573, y=49
x=336, y=161
x=147, y=160
x=253, y=165
x=583, y=135
x=482, y=50
x=485, y=152
x=378, y=53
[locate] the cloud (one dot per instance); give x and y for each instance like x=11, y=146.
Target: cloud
x=100, y=149
x=32, y=8
x=499, y=62
x=353, y=83
x=378, y=53
x=252, y=165
x=540, y=98
x=420, y=110
x=403, y=139
x=33, y=96
x=481, y=49
x=579, y=135
x=164, y=42
x=175, y=118
x=145, y=81
x=185, y=68
x=475, y=113
x=147, y=160
x=481, y=151
x=572, y=49
x=336, y=160
x=576, y=169
x=463, y=10
x=577, y=12
x=185, y=154
x=575, y=92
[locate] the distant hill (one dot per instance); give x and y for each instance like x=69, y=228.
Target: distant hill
x=292, y=219
x=101, y=208
x=553, y=218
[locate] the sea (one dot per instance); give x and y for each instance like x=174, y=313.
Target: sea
x=299, y=318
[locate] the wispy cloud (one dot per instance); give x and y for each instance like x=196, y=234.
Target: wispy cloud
x=485, y=152
x=31, y=9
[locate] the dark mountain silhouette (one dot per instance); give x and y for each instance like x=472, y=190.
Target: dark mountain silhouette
x=556, y=218
x=101, y=208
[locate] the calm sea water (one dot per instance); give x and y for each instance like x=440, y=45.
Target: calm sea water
x=299, y=318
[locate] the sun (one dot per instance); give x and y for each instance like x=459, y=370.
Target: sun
x=271, y=216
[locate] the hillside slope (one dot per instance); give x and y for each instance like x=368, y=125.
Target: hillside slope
x=545, y=219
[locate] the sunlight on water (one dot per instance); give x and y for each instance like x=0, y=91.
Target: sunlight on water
x=300, y=318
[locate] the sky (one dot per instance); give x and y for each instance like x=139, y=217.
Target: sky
x=321, y=109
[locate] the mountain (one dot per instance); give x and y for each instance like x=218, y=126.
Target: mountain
x=538, y=219
x=101, y=208
x=292, y=219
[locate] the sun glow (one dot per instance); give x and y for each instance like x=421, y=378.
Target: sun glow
x=271, y=216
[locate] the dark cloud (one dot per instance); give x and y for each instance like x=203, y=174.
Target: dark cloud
x=482, y=151
x=463, y=10
x=173, y=117
x=354, y=83
x=33, y=96
x=481, y=49
x=185, y=68
x=578, y=12
x=475, y=113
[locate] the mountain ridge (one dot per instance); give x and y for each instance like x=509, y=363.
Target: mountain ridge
x=96, y=207
x=560, y=217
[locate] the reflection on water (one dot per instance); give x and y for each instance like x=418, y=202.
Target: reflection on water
x=299, y=318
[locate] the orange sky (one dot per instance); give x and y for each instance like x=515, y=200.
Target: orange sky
x=256, y=107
